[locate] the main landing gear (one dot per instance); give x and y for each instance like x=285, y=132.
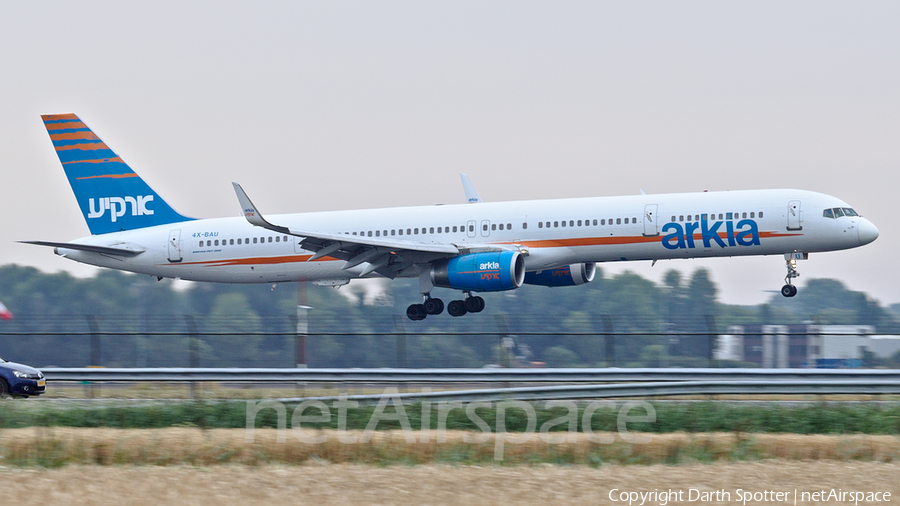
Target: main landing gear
x=789, y=290
x=433, y=306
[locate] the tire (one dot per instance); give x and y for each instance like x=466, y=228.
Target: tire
x=788, y=290
x=456, y=308
x=434, y=306
x=4, y=388
x=416, y=312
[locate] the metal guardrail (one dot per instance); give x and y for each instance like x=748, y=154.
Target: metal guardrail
x=609, y=375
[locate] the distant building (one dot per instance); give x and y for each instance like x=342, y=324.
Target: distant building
x=803, y=345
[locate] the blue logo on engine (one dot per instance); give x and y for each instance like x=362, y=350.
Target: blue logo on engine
x=677, y=237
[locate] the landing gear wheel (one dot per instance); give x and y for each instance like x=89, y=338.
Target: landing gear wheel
x=416, y=312
x=433, y=306
x=474, y=304
x=456, y=308
x=788, y=290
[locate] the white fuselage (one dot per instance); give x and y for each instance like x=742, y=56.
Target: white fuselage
x=550, y=233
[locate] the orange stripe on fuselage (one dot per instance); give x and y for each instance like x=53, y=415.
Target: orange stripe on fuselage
x=260, y=261
x=609, y=241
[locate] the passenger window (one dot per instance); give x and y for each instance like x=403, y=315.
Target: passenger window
x=540, y=225
x=681, y=218
x=278, y=238
x=571, y=223
x=727, y=216
x=524, y=226
x=753, y=215
x=454, y=228
x=416, y=231
x=618, y=221
x=603, y=221
x=595, y=223
x=201, y=244
x=555, y=224
x=471, y=228
x=408, y=231
x=501, y=226
x=231, y=242
x=270, y=239
x=484, y=228
x=509, y=226
x=760, y=214
x=217, y=242
x=494, y=226
x=378, y=233
x=548, y=224
x=400, y=232
x=394, y=232
x=673, y=218
x=563, y=223
x=431, y=230
x=745, y=215
x=369, y=233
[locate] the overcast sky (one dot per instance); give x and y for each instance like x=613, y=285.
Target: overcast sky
x=343, y=105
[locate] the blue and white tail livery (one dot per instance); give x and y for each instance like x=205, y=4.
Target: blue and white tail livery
x=111, y=196
x=492, y=246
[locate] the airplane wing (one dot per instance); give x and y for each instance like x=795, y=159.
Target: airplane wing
x=386, y=256
x=105, y=250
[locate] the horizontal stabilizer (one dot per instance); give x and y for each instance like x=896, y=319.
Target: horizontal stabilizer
x=105, y=250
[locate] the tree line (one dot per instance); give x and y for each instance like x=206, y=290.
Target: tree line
x=137, y=321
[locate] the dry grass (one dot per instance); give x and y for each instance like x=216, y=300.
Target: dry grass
x=59, y=446
x=322, y=483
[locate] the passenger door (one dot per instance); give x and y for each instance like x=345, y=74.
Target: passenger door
x=793, y=215
x=651, y=221
x=175, y=246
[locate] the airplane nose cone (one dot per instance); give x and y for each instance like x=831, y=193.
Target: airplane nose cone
x=867, y=232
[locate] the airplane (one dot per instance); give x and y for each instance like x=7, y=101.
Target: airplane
x=491, y=246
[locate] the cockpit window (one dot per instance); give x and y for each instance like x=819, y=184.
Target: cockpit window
x=838, y=212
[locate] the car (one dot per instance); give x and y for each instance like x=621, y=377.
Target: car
x=18, y=380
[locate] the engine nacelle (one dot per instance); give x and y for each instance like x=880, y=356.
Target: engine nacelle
x=570, y=275
x=493, y=271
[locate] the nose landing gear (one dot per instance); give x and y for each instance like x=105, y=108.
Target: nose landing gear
x=789, y=290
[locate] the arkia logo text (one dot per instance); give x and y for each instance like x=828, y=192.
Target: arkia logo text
x=722, y=233
x=117, y=206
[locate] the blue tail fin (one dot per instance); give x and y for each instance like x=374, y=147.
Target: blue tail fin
x=111, y=196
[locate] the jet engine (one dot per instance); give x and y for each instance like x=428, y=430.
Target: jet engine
x=569, y=275
x=480, y=272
